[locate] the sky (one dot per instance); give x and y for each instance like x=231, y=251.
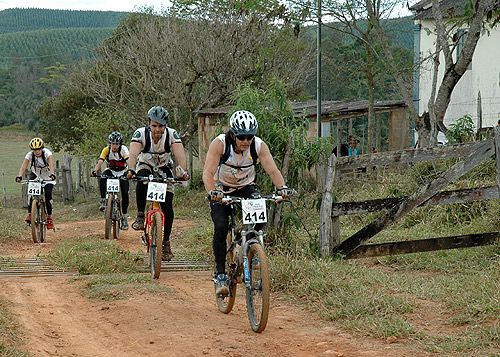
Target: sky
x=101, y=5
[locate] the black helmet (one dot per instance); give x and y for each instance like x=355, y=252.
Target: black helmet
x=115, y=138
x=158, y=114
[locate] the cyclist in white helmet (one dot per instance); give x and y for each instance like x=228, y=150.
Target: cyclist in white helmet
x=230, y=168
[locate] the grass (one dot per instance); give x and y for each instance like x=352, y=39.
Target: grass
x=92, y=255
x=120, y=286
x=10, y=332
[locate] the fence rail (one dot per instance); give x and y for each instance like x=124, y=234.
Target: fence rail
x=393, y=209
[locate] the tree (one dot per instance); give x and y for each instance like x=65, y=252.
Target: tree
x=480, y=11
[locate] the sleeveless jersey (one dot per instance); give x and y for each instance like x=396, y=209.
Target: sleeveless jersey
x=116, y=161
x=157, y=156
x=238, y=170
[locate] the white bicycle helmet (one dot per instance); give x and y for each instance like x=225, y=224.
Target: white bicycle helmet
x=243, y=122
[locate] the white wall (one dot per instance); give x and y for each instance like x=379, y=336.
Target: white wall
x=484, y=77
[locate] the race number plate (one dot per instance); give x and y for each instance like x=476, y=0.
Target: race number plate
x=156, y=191
x=254, y=211
x=34, y=188
x=113, y=185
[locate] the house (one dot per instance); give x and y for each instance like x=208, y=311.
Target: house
x=210, y=120
x=478, y=91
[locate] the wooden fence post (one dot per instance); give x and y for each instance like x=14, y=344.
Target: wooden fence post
x=326, y=243
x=68, y=177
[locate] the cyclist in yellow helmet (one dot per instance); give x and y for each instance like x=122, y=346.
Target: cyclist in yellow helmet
x=41, y=163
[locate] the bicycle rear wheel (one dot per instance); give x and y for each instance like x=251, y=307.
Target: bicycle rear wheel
x=225, y=303
x=258, y=293
x=155, y=248
x=108, y=218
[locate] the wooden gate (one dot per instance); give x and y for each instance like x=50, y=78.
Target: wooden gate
x=394, y=209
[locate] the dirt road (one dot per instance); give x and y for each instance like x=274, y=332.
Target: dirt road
x=57, y=320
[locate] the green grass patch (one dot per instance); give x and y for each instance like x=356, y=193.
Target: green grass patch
x=120, y=286
x=92, y=255
x=10, y=334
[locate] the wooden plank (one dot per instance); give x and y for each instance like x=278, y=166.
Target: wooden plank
x=424, y=245
x=408, y=156
x=481, y=153
x=442, y=198
x=325, y=218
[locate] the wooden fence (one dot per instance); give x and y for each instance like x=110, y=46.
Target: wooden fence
x=393, y=209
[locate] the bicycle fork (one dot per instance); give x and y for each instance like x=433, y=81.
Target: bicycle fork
x=245, y=248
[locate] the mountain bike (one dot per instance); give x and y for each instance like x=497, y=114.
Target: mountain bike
x=246, y=261
x=113, y=212
x=38, y=209
x=158, y=184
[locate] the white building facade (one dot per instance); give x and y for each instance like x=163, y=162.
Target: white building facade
x=482, y=78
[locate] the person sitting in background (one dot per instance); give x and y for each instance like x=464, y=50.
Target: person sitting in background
x=353, y=146
x=42, y=166
x=116, y=156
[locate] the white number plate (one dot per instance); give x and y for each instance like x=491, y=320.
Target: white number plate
x=34, y=188
x=156, y=191
x=112, y=185
x=254, y=211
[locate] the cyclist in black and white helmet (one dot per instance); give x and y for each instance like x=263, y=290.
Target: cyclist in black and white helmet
x=152, y=147
x=230, y=168
x=116, y=155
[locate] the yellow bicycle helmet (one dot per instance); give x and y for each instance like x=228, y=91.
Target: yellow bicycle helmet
x=36, y=143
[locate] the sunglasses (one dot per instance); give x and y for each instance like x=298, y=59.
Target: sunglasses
x=248, y=137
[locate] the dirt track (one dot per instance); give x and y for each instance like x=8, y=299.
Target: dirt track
x=58, y=320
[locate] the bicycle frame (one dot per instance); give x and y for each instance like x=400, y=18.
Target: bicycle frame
x=153, y=208
x=39, y=218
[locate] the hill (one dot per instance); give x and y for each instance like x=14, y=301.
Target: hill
x=19, y=20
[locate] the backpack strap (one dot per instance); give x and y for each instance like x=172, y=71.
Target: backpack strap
x=227, y=152
x=45, y=163
x=147, y=146
x=119, y=153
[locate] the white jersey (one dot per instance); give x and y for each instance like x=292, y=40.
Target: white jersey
x=156, y=155
x=238, y=171
x=39, y=166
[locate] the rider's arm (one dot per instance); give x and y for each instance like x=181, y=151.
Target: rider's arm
x=24, y=165
x=102, y=157
x=215, y=151
x=135, y=149
x=52, y=166
x=180, y=155
x=269, y=166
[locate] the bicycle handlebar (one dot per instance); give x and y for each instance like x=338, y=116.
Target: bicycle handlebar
x=152, y=178
x=227, y=200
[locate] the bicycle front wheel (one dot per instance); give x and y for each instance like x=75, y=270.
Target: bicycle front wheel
x=108, y=217
x=258, y=292
x=155, y=249
x=37, y=226
x=115, y=217
x=225, y=303
x=43, y=222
